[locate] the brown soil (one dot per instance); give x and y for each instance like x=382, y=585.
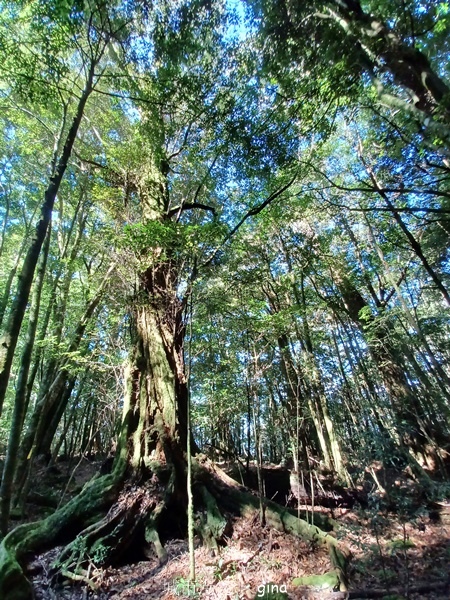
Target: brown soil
x=389, y=553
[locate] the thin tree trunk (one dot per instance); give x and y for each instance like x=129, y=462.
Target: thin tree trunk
x=415, y=244
x=405, y=404
x=69, y=422
x=54, y=417
x=410, y=317
x=48, y=402
x=380, y=415
x=319, y=392
x=20, y=398
x=9, y=340
x=60, y=317
x=7, y=205
x=9, y=282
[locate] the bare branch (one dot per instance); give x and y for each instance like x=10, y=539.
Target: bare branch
x=190, y=206
x=252, y=212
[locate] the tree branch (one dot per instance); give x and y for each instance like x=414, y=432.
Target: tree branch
x=252, y=212
x=190, y=206
x=405, y=209
x=367, y=189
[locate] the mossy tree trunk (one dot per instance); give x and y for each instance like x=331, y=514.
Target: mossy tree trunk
x=147, y=484
x=20, y=397
x=158, y=387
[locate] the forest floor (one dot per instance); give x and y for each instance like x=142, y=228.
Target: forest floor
x=396, y=557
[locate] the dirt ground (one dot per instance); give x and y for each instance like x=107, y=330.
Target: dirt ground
x=394, y=558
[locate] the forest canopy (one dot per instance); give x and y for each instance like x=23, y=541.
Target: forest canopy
x=224, y=231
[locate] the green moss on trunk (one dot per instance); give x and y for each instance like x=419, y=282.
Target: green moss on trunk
x=212, y=526
x=95, y=497
x=231, y=496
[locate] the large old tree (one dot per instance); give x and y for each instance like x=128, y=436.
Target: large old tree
x=189, y=124
x=183, y=129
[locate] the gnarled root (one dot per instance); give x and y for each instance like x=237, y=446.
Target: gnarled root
x=106, y=541
x=95, y=498
x=231, y=496
x=98, y=537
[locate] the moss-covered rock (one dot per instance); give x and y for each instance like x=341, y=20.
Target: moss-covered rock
x=327, y=581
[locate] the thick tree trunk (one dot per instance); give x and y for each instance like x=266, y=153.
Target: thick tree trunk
x=385, y=50
x=159, y=386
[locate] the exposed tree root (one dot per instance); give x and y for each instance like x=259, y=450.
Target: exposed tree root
x=233, y=497
x=106, y=541
x=151, y=527
x=211, y=527
x=98, y=536
x=95, y=498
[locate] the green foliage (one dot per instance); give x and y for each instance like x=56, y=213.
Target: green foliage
x=185, y=588
x=141, y=237
x=99, y=553
x=34, y=46
x=400, y=544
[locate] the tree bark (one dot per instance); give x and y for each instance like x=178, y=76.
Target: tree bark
x=158, y=377
x=9, y=340
x=20, y=398
x=383, y=48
